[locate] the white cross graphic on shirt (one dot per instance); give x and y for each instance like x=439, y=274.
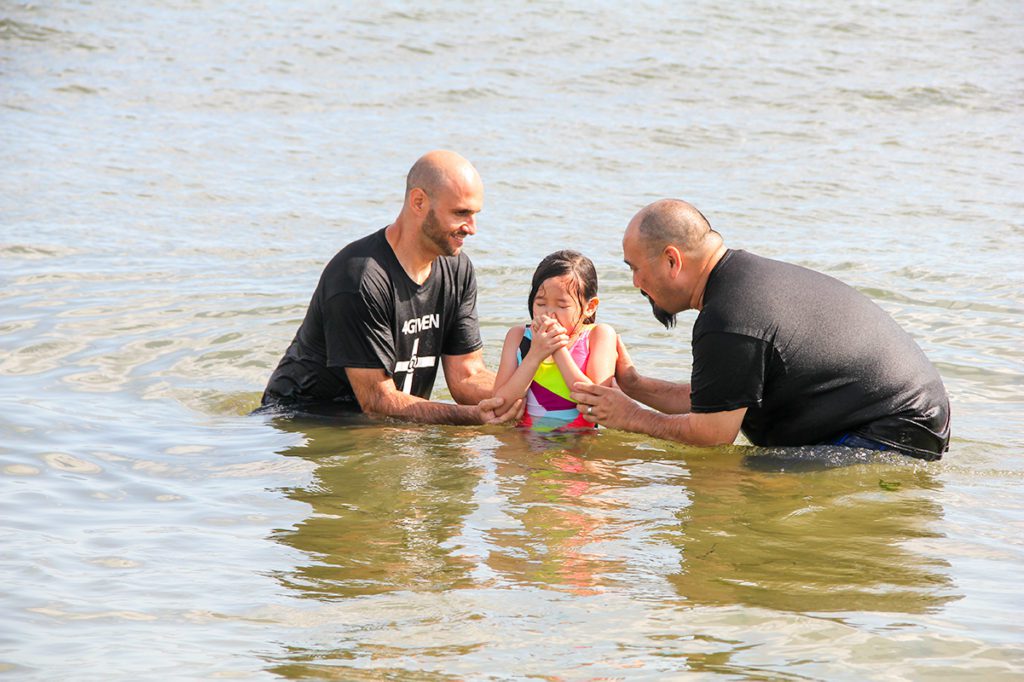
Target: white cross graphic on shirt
x=414, y=363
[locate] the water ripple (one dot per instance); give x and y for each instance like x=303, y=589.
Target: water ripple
x=166, y=215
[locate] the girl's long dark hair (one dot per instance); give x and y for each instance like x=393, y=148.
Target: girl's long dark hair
x=567, y=262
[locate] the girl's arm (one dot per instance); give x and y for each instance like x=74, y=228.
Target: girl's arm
x=663, y=396
x=600, y=365
x=512, y=380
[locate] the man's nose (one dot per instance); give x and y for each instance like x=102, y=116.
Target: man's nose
x=470, y=225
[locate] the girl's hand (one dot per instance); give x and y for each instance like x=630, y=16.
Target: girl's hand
x=548, y=336
x=491, y=411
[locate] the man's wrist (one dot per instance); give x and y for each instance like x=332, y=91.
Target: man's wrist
x=634, y=419
x=467, y=415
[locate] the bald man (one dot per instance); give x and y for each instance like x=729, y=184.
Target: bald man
x=392, y=307
x=788, y=355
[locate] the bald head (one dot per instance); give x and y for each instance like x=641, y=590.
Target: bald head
x=440, y=170
x=671, y=249
x=675, y=222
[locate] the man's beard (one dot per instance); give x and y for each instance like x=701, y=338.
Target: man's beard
x=436, y=233
x=660, y=314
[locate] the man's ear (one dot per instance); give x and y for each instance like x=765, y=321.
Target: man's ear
x=419, y=202
x=675, y=260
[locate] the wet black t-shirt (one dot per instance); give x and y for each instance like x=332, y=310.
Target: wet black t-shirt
x=367, y=312
x=811, y=358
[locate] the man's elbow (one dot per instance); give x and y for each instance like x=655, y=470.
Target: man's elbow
x=371, y=407
x=714, y=429
x=471, y=387
x=376, y=403
x=468, y=394
x=711, y=438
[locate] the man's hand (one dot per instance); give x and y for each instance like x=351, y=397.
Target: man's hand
x=611, y=407
x=604, y=405
x=489, y=413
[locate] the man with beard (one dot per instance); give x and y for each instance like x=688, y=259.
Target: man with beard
x=391, y=307
x=788, y=355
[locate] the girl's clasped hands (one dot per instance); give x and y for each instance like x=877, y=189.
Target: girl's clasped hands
x=549, y=336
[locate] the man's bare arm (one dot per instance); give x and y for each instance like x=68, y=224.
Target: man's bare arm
x=614, y=409
x=664, y=396
x=377, y=394
x=695, y=428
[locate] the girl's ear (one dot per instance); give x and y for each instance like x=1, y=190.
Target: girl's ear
x=591, y=307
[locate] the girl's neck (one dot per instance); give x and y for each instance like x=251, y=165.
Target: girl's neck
x=577, y=330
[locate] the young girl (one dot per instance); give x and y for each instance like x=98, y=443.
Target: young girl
x=561, y=346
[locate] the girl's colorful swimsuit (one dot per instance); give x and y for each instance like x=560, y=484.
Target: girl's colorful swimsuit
x=548, y=406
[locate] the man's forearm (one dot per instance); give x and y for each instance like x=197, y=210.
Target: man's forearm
x=664, y=396
x=410, y=408
x=681, y=428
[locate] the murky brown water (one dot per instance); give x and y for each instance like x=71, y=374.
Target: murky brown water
x=172, y=178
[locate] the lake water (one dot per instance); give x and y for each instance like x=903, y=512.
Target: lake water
x=173, y=176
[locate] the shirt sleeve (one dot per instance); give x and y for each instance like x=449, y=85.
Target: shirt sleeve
x=728, y=372
x=464, y=335
x=357, y=331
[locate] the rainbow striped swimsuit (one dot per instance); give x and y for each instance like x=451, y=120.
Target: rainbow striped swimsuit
x=548, y=406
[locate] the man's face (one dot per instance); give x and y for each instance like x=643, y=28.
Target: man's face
x=452, y=215
x=646, y=277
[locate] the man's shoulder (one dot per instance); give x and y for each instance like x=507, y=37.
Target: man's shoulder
x=744, y=283
x=456, y=275
x=459, y=263
x=748, y=268
x=738, y=263
x=741, y=293
x=358, y=263
x=370, y=246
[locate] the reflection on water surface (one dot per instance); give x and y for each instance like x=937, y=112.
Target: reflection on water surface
x=175, y=175
x=444, y=511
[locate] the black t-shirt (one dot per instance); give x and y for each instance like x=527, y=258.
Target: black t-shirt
x=811, y=358
x=367, y=312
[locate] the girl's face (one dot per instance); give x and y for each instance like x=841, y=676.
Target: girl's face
x=557, y=296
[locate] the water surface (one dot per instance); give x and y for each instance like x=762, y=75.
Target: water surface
x=174, y=176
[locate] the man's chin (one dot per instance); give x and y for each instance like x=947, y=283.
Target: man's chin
x=660, y=314
x=457, y=243
x=452, y=246
x=666, y=318
x=445, y=247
